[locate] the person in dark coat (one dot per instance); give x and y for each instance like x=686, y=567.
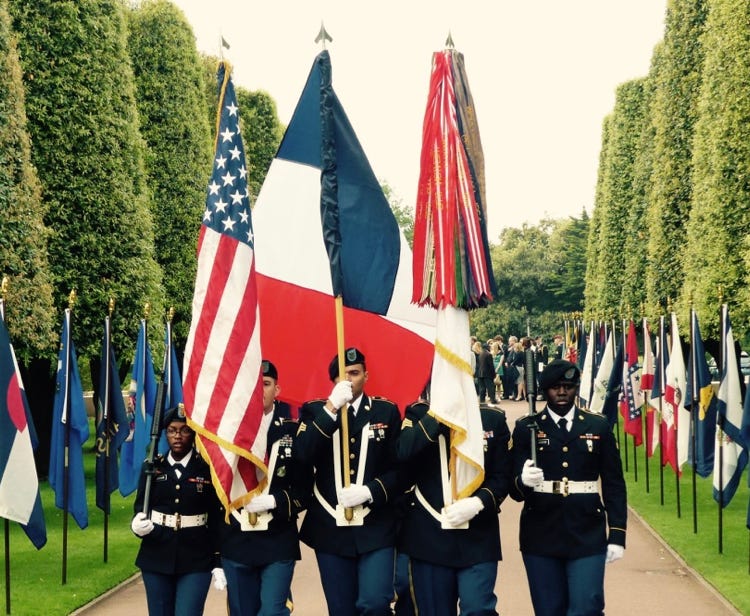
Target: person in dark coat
x=178, y=527
x=486, y=375
x=454, y=547
x=568, y=529
x=356, y=552
x=259, y=546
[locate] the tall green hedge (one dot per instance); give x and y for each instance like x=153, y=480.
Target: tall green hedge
x=171, y=103
x=30, y=312
x=678, y=77
x=720, y=216
x=80, y=102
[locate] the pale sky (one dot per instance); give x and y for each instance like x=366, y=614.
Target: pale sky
x=543, y=75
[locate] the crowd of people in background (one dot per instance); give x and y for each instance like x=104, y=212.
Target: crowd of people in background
x=499, y=367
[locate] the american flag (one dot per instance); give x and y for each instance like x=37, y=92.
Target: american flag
x=222, y=384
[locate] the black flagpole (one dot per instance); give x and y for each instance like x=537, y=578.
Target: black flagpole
x=694, y=409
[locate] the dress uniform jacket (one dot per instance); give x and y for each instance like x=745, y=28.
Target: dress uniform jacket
x=186, y=550
x=421, y=535
x=378, y=421
x=570, y=526
x=280, y=541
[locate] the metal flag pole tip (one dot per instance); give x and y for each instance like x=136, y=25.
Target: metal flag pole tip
x=323, y=36
x=449, y=41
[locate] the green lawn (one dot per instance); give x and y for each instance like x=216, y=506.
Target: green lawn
x=36, y=576
x=726, y=571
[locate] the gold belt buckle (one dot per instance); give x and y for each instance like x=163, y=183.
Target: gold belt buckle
x=561, y=487
x=177, y=521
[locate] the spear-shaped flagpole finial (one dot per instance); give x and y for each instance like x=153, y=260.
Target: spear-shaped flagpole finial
x=170, y=314
x=147, y=310
x=72, y=299
x=111, y=306
x=4, y=287
x=449, y=41
x=222, y=46
x=323, y=36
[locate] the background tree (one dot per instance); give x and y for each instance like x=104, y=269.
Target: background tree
x=677, y=70
x=404, y=213
x=80, y=103
x=171, y=101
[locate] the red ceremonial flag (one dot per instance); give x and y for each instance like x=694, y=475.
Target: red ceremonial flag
x=452, y=269
x=223, y=388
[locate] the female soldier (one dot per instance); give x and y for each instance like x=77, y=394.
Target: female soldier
x=178, y=526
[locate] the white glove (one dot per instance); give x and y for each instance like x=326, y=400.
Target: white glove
x=141, y=524
x=354, y=495
x=262, y=502
x=341, y=394
x=463, y=510
x=614, y=552
x=531, y=476
x=220, y=580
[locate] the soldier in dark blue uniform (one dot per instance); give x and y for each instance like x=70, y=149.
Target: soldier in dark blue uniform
x=260, y=545
x=454, y=548
x=568, y=530
x=355, y=556
x=179, y=540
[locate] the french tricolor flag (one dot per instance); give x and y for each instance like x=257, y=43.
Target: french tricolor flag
x=323, y=228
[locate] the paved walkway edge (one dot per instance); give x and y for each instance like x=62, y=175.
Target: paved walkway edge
x=114, y=590
x=697, y=576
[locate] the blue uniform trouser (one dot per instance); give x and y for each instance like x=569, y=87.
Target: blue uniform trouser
x=176, y=595
x=439, y=589
x=562, y=587
x=260, y=591
x=402, y=585
x=359, y=585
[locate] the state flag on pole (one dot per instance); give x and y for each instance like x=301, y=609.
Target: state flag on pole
x=731, y=462
x=113, y=427
x=656, y=402
x=172, y=382
x=603, y=372
x=704, y=404
x=451, y=266
x=633, y=395
x=320, y=170
x=70, y=430
x=223, y=385
x=675, y=421
x=587, y=373
x=140, y=414
x=19, y=486
x=647, y=373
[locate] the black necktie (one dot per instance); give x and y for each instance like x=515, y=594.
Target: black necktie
x=563, y=423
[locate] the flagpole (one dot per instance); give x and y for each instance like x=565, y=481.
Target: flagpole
x=646, y=398
x=720, y=418
x=66, y=448
x=107, y=421
x=694, y=409
x=622, y=390
x=344, y=411
x=657, y=424
x=6, y=525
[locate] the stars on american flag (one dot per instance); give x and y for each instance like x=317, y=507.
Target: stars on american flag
x=228, y=199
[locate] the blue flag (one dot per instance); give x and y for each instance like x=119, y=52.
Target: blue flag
x=172, y=381
x=141, y=401
x=729, y=463
x=70, y=430
x=113, y=428
x=19, y=485
x=704, y=408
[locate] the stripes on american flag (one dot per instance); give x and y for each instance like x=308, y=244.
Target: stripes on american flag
x=222, y=386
